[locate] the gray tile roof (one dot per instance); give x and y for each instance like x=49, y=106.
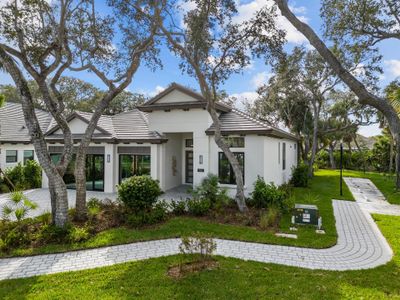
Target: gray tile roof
x=12, y=123
x=238, y=122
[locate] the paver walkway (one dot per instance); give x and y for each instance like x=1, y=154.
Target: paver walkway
x=370, y=198
x=360, y=246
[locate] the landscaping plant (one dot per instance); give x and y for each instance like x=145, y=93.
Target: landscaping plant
x=18, y=207
x=300, y=176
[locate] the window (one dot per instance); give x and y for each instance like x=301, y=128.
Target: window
x=235, y=142
x=225, y=171
x=189, y=143
x=11, y=156
x=133, y=164
x=279, y=153
x=28, y=155
x=283, y=156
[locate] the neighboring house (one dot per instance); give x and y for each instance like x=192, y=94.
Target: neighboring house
x=170, y=138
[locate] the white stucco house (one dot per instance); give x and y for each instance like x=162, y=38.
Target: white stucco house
x=170, y=138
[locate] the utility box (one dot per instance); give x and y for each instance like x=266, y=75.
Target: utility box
x=305, y=214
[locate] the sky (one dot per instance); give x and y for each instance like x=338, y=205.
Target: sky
x=243, y=86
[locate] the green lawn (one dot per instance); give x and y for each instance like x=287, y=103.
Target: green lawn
x=323, y=188
x=234, y=279
x=385, y=183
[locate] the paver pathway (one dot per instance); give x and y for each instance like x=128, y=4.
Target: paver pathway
x=360, y=246
x=370, y=198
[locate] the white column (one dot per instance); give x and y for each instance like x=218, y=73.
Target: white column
x=109, y=161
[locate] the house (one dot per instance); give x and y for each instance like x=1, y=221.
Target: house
x=170, y=137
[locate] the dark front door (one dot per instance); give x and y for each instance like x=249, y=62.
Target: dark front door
x=189, y=167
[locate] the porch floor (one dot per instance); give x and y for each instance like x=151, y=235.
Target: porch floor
x=178, y=193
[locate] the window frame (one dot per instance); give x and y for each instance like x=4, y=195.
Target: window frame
x=283, y=156
x=188, y=143
x=232, y=179
x=30, y=157
x=7, y=156
x=232, y=141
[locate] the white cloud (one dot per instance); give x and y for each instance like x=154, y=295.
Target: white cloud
x=158, y=89
x=370, y=130
x=260, y=79
x=247, y=10
x=244, y=98
x=393, y=66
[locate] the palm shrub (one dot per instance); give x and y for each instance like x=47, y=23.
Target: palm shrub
x=18, y=207
x=139, y=193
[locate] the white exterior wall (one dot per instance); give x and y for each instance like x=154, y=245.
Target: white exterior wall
x=273, y=160
x=193, y=122
x=77, y=126
x=20, y=154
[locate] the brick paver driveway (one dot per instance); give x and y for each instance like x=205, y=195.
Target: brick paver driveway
x=360, y=246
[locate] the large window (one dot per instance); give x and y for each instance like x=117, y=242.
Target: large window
x=28, y=155
x=133, y=164
x=225, y=171
x=11, y=156
x=283, y=156
x=235, y=142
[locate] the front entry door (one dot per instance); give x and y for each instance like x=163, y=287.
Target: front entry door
x=189, y=167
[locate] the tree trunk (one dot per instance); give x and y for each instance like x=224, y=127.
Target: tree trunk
x=58, y=191
x=80, y=182
x=331, y=156
x=391, y=154
x=358, y=88
x=314, y=145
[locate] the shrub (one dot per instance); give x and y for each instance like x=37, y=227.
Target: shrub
x=178, y=207
x=45, y=218
x=139, y=193
x=270, y=218
x=209, y=189
x=198, y=207
x=200, y=244
x=78, y=234
x=266, y=195
x=16, y=176
x=154, y=216
x=54, y=234
x=18, y=206
x=300, y=176
x=94, y=207
x=32, y=175
x=16, y=237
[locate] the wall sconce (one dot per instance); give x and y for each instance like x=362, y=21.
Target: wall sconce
x=200, y=159
x=108, y=158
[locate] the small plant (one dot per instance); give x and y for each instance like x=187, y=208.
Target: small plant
x=78, y=234
x=198, y=244
x=94, y=207
x=178, y=208
x=32, y=174
x=18, y=207
x=209, y=189
x=266, y=195
x=139, y=193
x=198, y=206
x=54, y=234
x=156, y=215
x=300, y=176
x=270, y=218
x=45, y=218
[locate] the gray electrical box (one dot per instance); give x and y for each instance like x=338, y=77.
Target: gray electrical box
x=305, y=214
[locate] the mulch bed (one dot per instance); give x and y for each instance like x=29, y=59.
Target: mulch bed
x=180, y=271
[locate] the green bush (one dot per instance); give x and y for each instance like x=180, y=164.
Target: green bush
x=178, y=208
x=156, y=215
x=18, y=206
x=78, y=234
x=300, y=176
x=16, y=176
x=270, y=218
x=54, y=234
x=198, y=207
x=139, y=193
x=16, y=237
x=266, y=195
x=32, y=174
x=209, y=189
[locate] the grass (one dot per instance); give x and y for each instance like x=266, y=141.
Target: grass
x=385, y=183
x=233, y=279
x=323, y=188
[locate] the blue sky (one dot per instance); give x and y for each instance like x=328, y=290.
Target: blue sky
x=244, y=85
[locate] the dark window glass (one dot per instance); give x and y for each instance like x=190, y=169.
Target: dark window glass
x=225, y=171
x=131, y=165
x=283, y=156
x=11, y=156
x=235, y=142
x=189, y=143
x=28, y=155
x=94, y=171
